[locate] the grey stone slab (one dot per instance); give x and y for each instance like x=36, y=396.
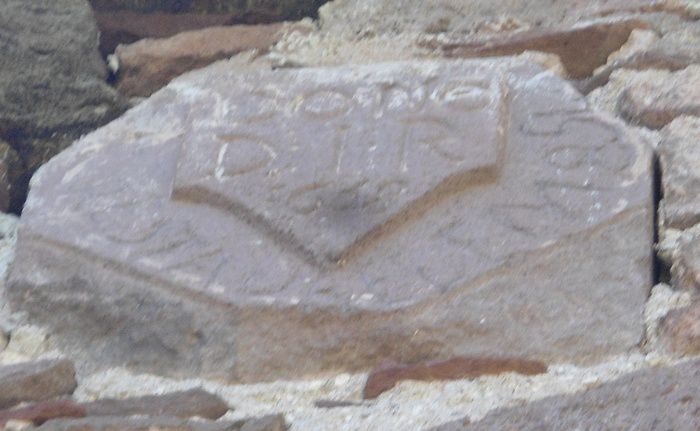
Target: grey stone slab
x=652, y=399
x=252, y=226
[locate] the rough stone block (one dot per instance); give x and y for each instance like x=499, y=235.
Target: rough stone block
x=679, y=154
x=581, y=48
x=36, y=381
x=148, y=65
x=283, y=223
x=680, y=330
x=683, y=251
x=652, y=399
x=52, y=87
x=186, y=404
x=656, y=103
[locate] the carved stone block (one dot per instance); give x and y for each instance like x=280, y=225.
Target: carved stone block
x=275, y=224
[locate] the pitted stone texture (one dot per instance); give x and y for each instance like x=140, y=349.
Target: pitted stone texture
x=282, y=223
x=652, y=399
x=679, y=154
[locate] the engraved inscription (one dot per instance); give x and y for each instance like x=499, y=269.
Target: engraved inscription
x=339, y=165
x=409, y=199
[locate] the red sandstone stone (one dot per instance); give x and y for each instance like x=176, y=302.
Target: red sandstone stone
x=147, y=65
x=196, y=402
x=386, y=376
x=581, y=48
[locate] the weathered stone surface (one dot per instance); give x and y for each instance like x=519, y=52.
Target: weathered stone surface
x=112, y=423
x=639, y=41
x=364, y=17
x=35, y=381
x=680, y=329
x=656, y=103
x=679, y=155
x=386, y=376
x=581, y=48
x=652, y=399
x=195, y=402
x=53, y=76
x=52, y=86
x=128, y=21
x=149, y=64
x=675, y=50
x=685, y=257
x=325, y=219
x=43, y=411
x=662, y=300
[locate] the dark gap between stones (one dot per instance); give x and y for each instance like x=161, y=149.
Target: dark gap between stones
x=661, y=272
x=125, y=22
x=20, y=186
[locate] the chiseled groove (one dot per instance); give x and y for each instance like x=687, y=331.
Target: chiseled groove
x=201, y=195
x=123, y=269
